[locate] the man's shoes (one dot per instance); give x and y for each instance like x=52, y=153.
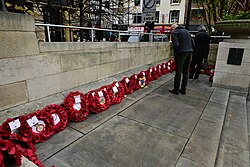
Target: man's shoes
x=173, y=91
x=182, y=91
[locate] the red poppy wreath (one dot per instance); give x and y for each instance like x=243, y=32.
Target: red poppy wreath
x=172, y=64
x=76, y=106
x=127, y=85
x=57, y=117
x=36, y=126
x=10, y=126
x=116, y=92
x=99, y=100
x=164, y=69
x=135, y=82
x=159, y=68
x=13, y=147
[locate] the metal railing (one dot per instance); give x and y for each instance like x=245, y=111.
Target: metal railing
x=47, y=27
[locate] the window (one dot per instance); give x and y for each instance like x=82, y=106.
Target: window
x=175, y=1
x=158, y=2
x=157, y=14
x=197, y=15
x=137, y=2
x=137, y=18
x=174, y=16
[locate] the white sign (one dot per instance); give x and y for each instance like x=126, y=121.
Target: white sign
x=32, y=121
x=77, y=99
x=14, y=124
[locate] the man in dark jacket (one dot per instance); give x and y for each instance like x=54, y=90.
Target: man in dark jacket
x=200, y=53
x=183, y=48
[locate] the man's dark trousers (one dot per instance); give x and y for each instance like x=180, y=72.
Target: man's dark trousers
x=182, y=62
x=196, y=61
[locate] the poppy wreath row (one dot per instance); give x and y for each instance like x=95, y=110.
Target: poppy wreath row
x=13, y=147
x=76, y=106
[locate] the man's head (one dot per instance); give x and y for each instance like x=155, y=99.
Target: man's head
x=173, y=26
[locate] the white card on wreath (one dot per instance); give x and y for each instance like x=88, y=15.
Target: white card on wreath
x=100, y=93
x=164, y=66
x=155, y=69
x=151, y=70
x=143, y=73
x=115, y=90
x=159, y=66
x=56, y=118
x=77, y=106
x=117, y=84
x=93, y=94
x=127, y=80
x=77, y=99
x=169, y=63
x=14, y=124
x=32, y=121
x=135, y=76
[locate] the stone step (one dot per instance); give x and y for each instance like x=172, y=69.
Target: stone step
x=234, y=148
x=201, y=149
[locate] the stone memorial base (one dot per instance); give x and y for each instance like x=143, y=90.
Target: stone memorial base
x=232, y=69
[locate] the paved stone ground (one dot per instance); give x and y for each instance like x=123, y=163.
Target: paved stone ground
x=153, y=128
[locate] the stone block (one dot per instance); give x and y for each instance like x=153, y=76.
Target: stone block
x=105, y=70
x=229, y=80
x=82, y=59
x=121, y=66
x=16, y=22
x=30, y=107
x=48, y=85
x=23, y=68
x=12, y=95
x=14, y=44
x=120, y=54
x=70, y=46
x=243, y=69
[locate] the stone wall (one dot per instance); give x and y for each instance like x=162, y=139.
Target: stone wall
x=32, y=71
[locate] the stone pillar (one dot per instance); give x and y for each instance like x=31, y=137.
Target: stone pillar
x=18, y=40
x=233, y=65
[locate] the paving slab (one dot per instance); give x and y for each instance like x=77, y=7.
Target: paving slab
x=95, y=120
x=196, y=96
x=232, y=156
x=235, y=130
x=220, y=95
x=214, y=112
x=183, y=162
x=56, y=143
x=203, y=144
x=121, y=143
x=164, y=113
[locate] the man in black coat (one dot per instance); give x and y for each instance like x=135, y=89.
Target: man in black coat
x=200, y=53
x=183, y=48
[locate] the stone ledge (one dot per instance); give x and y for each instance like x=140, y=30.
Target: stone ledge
x=16, y=22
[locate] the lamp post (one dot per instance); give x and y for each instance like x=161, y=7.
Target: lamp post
x=188, y=14
x=128, y=11
x=3, y=6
